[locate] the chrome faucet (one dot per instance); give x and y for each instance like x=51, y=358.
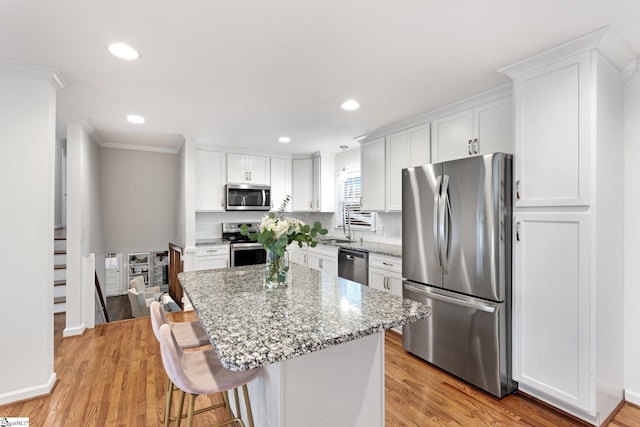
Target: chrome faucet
x=346, y=222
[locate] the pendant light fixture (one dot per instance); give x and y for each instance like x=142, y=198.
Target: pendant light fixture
x=344, y=160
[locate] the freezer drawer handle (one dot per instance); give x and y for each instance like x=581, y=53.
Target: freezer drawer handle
x=456, y=301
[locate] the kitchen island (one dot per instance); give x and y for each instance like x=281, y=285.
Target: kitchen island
x=320, y=341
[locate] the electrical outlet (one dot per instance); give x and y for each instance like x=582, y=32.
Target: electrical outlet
x=396, y=231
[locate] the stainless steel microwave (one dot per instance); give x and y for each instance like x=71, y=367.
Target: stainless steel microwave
x=248, y=197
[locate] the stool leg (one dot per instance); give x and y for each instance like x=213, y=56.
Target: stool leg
x=180, y=405
x=247, y=404
x=168, y=402
x=235, y=395
x=225, y=396
x=192, y=404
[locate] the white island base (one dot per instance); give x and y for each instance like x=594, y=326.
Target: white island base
x=340, y=386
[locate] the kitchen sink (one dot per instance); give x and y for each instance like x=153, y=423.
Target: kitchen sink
x=337, y=241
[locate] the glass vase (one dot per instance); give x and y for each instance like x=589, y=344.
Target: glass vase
x=276, y=270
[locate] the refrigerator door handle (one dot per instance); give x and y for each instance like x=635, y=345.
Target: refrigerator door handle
x=436, y=219
x=445, y=214
x=434, y=295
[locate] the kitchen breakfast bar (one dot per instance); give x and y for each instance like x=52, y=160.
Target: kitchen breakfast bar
x=320, y=341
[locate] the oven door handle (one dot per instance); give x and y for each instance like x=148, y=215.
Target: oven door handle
x=249, y=245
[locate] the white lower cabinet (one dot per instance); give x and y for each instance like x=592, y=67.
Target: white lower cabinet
x=297, y=254
x=212, y=257
x=551, y=296
x=385, y=274
x=323, y=258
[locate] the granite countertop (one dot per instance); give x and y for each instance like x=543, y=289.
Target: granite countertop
x=371, y=247
x=211, y=242
x=251, y=326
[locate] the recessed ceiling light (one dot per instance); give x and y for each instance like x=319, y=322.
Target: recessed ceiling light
x=350, y=105
x=284, y=139
x=134, y=118
x=123, y=51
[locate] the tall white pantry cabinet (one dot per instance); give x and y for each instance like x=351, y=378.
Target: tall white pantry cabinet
x=568, y=226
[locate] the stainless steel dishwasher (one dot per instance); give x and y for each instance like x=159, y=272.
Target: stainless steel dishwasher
x=354, y=265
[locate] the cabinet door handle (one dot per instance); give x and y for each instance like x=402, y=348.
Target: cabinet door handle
x=475, y=146
x=518, y=189
x=320, y=263
x=387, y=264
x=518, y=231
x=311, y=204
x=469, y=148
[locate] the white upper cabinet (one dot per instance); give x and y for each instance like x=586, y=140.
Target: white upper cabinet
x=404, y=149
x=314, y=184
x=324, y=183
x=302, y=185
x=211, y=175
x=280, y=182
x=552, y=137
x=372, y=172
x=243, y=169
x=483, y=129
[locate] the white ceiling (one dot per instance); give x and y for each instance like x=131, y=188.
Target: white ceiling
x=242, y=73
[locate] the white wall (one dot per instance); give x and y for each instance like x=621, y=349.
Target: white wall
x=27, y=129
x=139, y=198
x=57, y=216
x=632, y=240
x=84, y=228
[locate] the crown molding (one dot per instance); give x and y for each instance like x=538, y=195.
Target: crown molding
x=139, y=147
x=500, y=92
x=606, y=41
x=32, y=72
x=85, y=124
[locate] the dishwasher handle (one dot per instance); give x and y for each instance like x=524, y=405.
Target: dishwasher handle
x=351, y=254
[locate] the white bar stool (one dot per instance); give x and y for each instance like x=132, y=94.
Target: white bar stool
x=200, y=373
x=188, y=335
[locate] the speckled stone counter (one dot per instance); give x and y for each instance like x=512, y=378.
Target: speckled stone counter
x=374, y=247
x=252, y=326
x=211, y=242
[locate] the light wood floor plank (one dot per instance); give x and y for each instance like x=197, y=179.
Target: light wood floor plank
x=113, y=376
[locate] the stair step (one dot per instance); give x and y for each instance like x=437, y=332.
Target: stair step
x=59, y=300
x=60, y=282
x=60, y=267
x=60, y=252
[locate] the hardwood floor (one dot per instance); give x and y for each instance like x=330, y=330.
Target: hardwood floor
x=119, y=308
x=113, y=376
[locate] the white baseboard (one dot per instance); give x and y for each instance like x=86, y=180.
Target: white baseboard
x=632, y=397
x=28, y=393
x=77, y=330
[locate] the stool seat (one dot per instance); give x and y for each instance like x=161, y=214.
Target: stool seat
x=188, y=334
x=203, y=373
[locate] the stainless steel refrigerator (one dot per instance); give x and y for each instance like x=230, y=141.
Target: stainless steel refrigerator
x=456, y=257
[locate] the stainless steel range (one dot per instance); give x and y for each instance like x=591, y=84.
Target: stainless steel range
x=243, y=251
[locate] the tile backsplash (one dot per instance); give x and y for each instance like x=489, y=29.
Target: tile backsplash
x=388, y=224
